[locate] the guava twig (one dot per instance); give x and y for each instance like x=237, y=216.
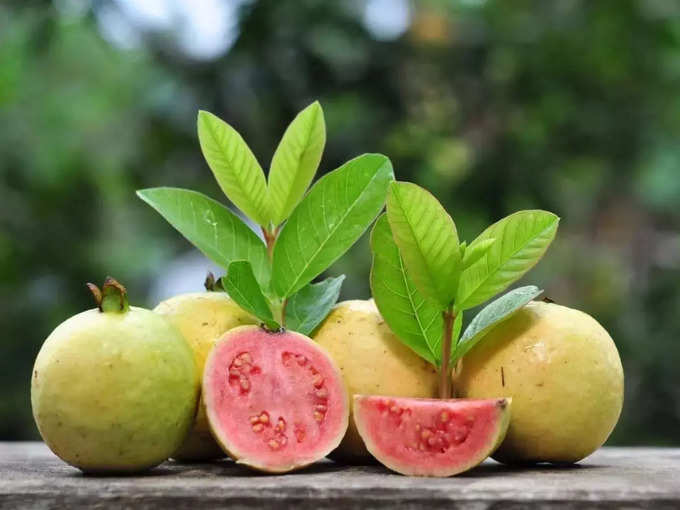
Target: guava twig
x=445, y=372
x=269, y=239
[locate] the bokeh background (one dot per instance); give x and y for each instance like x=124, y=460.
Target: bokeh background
x=566, y=105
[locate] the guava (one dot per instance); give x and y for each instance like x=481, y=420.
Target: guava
x=202, y=317
x=430, y=437
x=275, y=401
x=372, y=361
x=115, y=388
x=564, y=374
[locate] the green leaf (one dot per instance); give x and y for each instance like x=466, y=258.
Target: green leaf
x=232, y=162
x=243, y=288
x=295, y=161
x=476, y=252
x=333, y=215
x=521, y=240
x=211, y=227
x=493, y=314
x=310, y=305
x=416, y=321
x=427, y=240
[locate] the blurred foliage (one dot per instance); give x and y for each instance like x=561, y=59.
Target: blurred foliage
x=568, y=105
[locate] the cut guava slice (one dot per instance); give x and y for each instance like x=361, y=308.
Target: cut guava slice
x=430, y=437
x=275, y=401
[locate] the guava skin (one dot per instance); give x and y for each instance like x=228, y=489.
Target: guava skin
x=114, y=392
x=202, y=317
x=373, y=362
x=564, y=374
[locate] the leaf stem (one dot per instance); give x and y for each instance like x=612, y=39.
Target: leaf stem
x=283, y=313
x=445, y=372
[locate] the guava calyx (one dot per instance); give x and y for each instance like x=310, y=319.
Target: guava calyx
x=431, y=437
x=275, y=401
x=112, y=297
x=211, y=284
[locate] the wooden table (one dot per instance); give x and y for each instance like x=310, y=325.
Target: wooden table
x=31, y=477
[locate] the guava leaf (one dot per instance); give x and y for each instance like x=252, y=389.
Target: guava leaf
x=242, y=287
x=309, y=306
x=521, y=239
x=331, y=217
x=211, y=227
x=493, y=314
x=295, y=161
x=232, y=162
x=416, y=321
x=427, y=240
x=476, y=251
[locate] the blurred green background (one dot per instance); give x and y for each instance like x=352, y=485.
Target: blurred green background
x=570, y=105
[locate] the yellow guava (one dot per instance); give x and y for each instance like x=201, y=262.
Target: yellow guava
x=114, y=390
x=202, y=317
x=373, y=362
x=564, y=375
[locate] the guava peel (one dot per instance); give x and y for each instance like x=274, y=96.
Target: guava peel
x=372, y=361
x=275, y=401
x=202, y=317
x=114, y=389
x=431, y=437
x=564, y=374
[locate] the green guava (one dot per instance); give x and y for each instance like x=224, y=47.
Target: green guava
x=114, y=389
x=564, y=375
x=275, y=400
x=202, y=317
x=373, y=362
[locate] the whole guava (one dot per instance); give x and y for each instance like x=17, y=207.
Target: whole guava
x=373, y=362
x=564, y=375
x=202, y=317
x=114, y=389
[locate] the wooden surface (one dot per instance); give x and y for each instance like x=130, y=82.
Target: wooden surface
x=31, y=477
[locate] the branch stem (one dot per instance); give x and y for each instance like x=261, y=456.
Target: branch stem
x=445, y=372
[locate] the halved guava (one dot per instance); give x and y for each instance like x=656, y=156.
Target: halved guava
x=275, y=401
x=430, y=437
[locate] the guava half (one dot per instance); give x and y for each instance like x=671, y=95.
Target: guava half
x=275, y=401
x=202, y=317
x=564, y=374
x=430, y=437
x=373, y=361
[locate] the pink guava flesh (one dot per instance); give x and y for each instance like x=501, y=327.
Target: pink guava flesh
x=430, y=437
x=275, y=401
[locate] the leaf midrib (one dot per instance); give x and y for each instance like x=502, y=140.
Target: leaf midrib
x=304, y=151
x=236, y=175
x=423, y=331
x=413, y=234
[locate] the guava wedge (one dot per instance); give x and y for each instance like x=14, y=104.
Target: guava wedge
x=430, y=437
x=275, y=401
